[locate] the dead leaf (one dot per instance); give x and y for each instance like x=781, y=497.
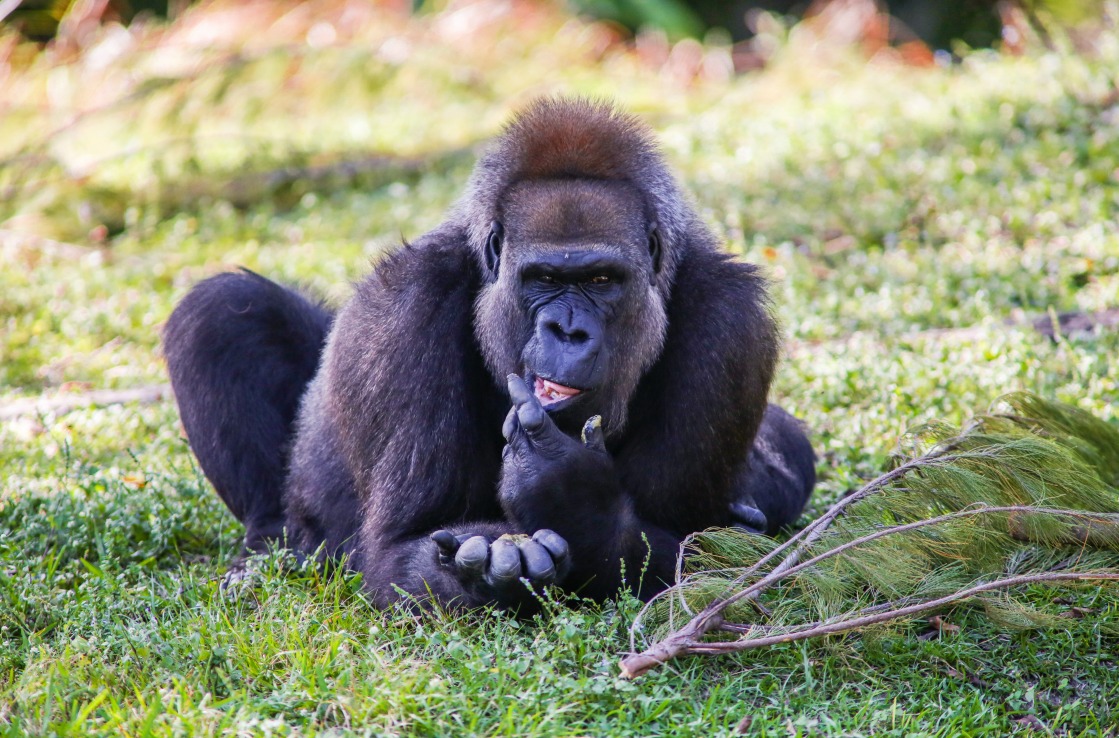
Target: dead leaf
x=938, y=626
x=1030, y=721
x=135, y=481
x=1077, y=613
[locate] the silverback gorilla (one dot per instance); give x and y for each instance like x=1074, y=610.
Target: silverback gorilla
x=568, y=375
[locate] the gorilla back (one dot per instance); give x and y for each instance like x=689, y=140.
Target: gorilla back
x=564, y=377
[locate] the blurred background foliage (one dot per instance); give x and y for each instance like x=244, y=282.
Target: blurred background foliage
x=888, y=186
x=939, y=23
x=120, y=111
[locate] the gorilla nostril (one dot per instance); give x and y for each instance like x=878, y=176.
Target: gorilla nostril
x=574, y=335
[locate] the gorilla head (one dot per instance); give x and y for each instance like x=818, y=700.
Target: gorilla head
x=578, y=268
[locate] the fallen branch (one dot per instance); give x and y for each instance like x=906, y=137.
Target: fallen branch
x=1040, y=451
x=1051, y=325
x=686, y=641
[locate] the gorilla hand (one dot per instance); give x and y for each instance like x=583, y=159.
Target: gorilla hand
x=550, y=480
x=494, y=568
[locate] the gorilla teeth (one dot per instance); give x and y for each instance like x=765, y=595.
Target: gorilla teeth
x=549, y=392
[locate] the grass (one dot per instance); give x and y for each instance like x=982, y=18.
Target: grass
x=912, y=219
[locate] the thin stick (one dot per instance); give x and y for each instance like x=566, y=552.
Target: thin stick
x=61, y=404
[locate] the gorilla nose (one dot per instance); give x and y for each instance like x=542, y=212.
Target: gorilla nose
x=566, y=348
x=567, y=334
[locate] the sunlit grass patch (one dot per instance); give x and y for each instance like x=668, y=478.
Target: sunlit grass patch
x=914, y=223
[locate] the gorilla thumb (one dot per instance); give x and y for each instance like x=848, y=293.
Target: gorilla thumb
x=592, y=434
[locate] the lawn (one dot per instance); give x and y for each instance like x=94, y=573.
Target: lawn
x=916, y=221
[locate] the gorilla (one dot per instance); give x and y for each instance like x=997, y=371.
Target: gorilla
x=555, y=386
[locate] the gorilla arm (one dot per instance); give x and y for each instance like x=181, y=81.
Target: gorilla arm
x=417, y=419
x=699, y=408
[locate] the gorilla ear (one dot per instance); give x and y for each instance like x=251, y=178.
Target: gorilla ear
x=655, y=247
x=493, y=247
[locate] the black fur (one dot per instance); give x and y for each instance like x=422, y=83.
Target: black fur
x=398, y=458
x=240, y=351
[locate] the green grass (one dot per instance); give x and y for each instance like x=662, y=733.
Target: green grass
x=886, y=203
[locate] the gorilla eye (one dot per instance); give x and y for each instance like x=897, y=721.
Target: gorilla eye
x=547, y=279
x=601, y=279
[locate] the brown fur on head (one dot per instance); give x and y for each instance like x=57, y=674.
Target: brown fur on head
x=575, y=138
x=566, y=211
x=559, y=139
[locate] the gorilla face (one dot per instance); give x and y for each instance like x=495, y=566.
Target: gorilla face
x=573, y=298
x=581, y=319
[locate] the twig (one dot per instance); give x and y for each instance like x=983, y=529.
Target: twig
x=61, y=404
x=33, y=240
x=7, y=7
x=1051, y=326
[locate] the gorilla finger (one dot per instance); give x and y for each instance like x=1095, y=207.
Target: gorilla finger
x=509, y=427
x=447, y=542
x=519, y=392
x=538, y=564
x=517, y=441
x=532, y=417
x=557, y=547
x=505, y=561
x=593, y=437
x=552, y=541
x=529, y=412
x=472, y=555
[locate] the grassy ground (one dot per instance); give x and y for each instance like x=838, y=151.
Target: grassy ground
x=913, y=221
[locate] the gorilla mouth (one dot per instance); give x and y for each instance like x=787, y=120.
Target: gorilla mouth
x=553, y=393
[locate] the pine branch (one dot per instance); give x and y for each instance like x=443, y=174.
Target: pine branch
x=801, y=542
x=687, y=641
x=996, y=478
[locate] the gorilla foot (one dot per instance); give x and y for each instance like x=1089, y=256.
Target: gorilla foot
x=748, y=518
x=495, y=567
